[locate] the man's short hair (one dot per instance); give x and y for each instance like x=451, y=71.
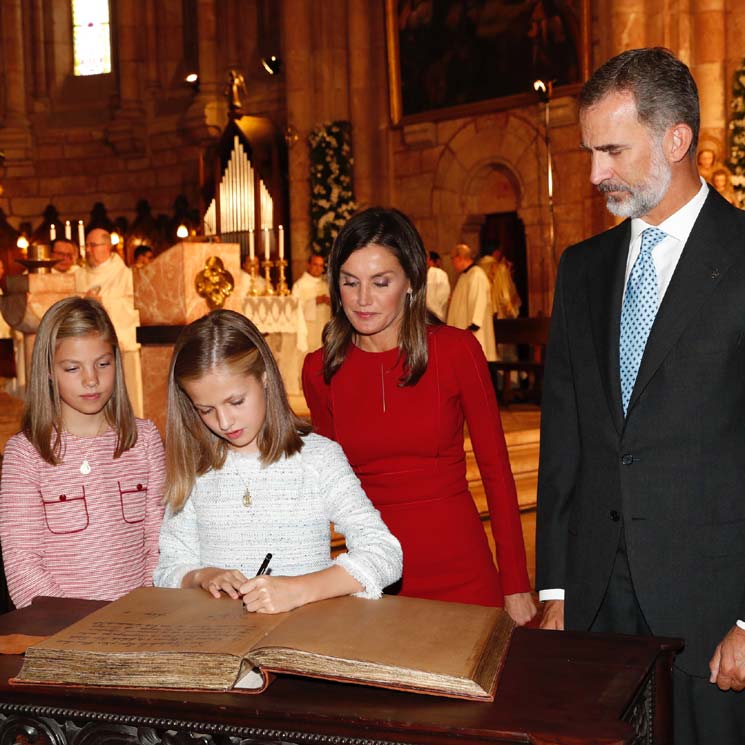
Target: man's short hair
x=463, y=251
x=663, y=88
x=141, y=251
x=434, y=256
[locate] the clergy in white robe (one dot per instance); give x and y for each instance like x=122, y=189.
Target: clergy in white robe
x=438, y=286
x=470, y=306
x=107, y=278
x=66, y=255
x=312, y=289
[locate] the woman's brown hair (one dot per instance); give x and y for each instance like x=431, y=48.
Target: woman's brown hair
x=42, y=413
x=391, y=229
x=222, y=337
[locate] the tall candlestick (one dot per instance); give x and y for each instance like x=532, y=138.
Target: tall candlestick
x=68, y=230
x=81, y=238
x=52, y=233
x=281, y=242
x=266, y=244
x=251, y=244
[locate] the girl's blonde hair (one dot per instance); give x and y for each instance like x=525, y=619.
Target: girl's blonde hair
x=42, y=413
x=221, y=338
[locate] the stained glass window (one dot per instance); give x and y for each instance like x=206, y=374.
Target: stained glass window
x=91, y=37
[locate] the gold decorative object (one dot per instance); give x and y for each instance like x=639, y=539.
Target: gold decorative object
x=269, y=289
x=214, y=283
x=38, y=259
x=282, y=288
x=252, y=271
x=234, y=90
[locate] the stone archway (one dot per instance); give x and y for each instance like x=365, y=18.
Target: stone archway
x=504, y=149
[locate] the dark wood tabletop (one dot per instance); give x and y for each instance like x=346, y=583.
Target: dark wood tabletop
x=556, y=687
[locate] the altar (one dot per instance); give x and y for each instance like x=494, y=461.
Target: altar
x=280, y=318
x=167, y=295
x=556, y=688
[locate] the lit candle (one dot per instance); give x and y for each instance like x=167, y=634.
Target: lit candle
x=266, y=244
x=281, y=242
x=68, y=230
x=81, y=238
x=251, y=244
x=52, y=233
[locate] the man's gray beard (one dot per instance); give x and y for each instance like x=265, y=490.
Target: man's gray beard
x=644, y=197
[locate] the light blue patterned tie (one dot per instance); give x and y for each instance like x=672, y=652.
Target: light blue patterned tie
x=638, y=312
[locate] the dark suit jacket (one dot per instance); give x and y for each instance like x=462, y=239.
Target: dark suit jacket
x=672, y=473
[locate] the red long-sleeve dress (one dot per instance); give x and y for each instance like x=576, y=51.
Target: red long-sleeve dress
x=406, y=446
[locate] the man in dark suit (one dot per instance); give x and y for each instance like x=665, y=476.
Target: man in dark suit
x=641, y=497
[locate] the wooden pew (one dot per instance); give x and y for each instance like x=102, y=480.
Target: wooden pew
x=526, y=332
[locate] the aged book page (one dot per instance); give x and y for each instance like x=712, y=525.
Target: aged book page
x=395, y=641
x=153, y=637
x=163, y=638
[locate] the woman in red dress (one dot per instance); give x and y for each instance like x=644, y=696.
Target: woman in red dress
x=394, y=387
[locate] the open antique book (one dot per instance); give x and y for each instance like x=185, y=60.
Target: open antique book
x=160, y=638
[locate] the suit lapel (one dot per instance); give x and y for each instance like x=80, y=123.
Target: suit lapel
x=605, y=287
x=705, y=260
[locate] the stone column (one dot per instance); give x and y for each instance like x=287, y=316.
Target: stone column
x=297, y=26
x=207, y=116
x=127, y=133
x=15, y=132
x=627, y=27
x=368, y=104
x=331, y=61
x=39, y=54
x=709, y=68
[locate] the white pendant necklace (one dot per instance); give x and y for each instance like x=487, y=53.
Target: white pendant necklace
x=85, y=466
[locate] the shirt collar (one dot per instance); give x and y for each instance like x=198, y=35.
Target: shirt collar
x=680, y=224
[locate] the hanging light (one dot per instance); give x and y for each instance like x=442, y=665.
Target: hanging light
x=182, y=231
x=22, y=243
x=115, y=238
x=271, y=64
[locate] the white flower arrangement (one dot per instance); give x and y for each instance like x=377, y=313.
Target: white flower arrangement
x=332, y=193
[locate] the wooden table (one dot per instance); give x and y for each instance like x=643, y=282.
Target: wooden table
x=559, y=688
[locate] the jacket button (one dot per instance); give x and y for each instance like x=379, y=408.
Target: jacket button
x=615, y=516
x=627, y=459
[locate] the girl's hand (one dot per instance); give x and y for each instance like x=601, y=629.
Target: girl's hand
x=216, y=580
x=268, y=594
x=520, y=607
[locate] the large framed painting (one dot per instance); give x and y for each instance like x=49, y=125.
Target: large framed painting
x=451, y=58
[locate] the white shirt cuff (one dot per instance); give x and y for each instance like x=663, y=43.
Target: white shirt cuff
x=552, y=594
x=740, y=624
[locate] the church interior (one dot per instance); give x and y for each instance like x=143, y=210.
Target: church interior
x=125, y=115
x=223, y=144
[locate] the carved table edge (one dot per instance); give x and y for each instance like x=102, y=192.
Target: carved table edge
x=205, y=728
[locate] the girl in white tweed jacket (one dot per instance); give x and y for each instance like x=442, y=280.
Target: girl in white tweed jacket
x=246, y=478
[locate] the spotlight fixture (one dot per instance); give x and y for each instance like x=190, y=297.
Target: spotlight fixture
x=543, y=89
x=182, y=231
x=272, y=64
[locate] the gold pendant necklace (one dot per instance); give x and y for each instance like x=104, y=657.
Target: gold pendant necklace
x=247, y=498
